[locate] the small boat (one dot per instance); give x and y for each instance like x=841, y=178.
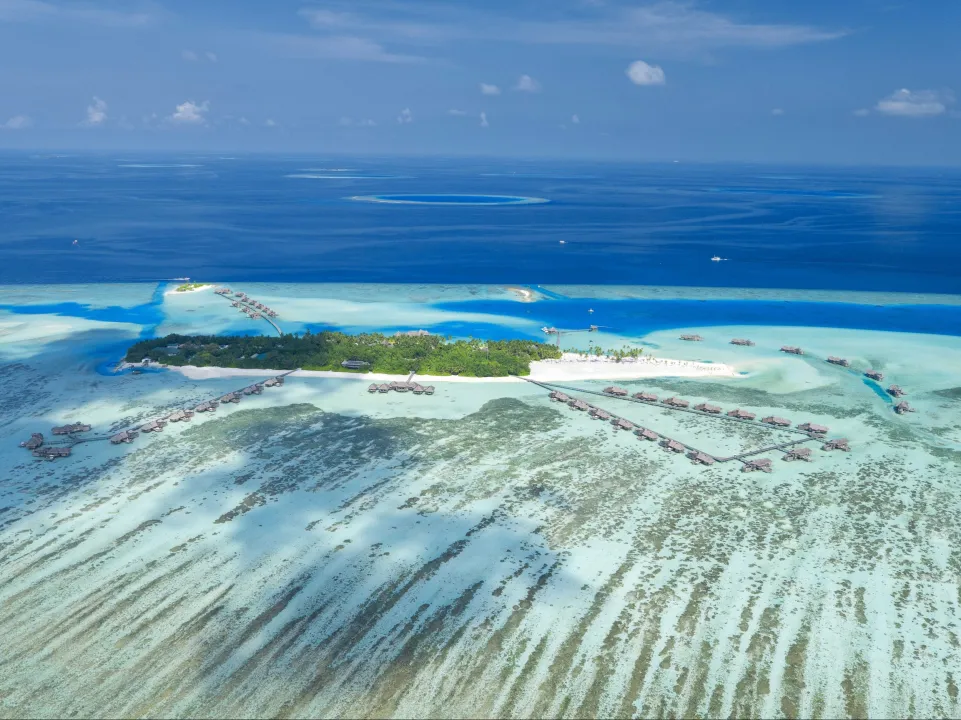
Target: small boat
x=75, y=242
x=562, y=242
x=590, y=310
x=716, y=258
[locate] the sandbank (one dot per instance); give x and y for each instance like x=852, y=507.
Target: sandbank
x=185, y=292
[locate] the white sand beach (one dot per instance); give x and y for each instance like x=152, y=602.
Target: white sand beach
x=202, y=288
x=572, y=366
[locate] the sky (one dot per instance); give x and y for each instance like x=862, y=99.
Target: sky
x=853, y=82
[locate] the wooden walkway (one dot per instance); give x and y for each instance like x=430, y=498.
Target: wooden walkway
x=232, y=298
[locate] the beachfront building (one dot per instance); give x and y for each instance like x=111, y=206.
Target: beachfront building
x=691, y=338
x=896, y=391
x=645, y=397
x=710, y=409
x=622, y=424
x=903, y=407
x=836, y=444
x=354, y=364
x=790, y=349
x=676, y=402
x=798, y=453
x=672, y=446
x=838, y=361
x=741, y=414
x=813, y=429
x=742, y=341
x=412, y=333
x=761, y=464
x=874, y=375
x=645, y=434
x=776, y=421
x=70, y=429
x=699, y=458
x=616, y=391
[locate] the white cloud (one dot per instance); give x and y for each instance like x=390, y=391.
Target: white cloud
x=575, y=119
x=777, y=112
x=367, y=123
x=862, y=112
x=345, y=121
x=244, y=121
x=330, y=47
x=39, y=10
x=270, y=122
x=456, y=113
x=190, y=113
x=188, y=55
x=489, y=89
x=525, y=83
x=96, y=112
x=17, y=122
x=211, y=56
x=915, y=103
x=405, y=117
x=483, y=120
x=641, y=73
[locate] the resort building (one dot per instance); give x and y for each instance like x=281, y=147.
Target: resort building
x=711, y=409
x=741, y=414
x=761, y=464
x=383, y=388
x=874, y=375
x=672, y=446
x=372, y=388
x=418, y=389
x=691, y=338
x=558, y=396
x=354, y=364
x=35, y=441
x=51, y=453
x=838, y=361
x=622, y=424
x=813, y=429
x=412, y=333
x=645, y=397
x=699, y=458
x=645, y=434
x=70, y=429
x=616, y=391
x=579, y=405
x=776, y=421
x=798, y=453
x=124, y=436
x=903, y=407
x=792, y=350
x=676, y=402
x=836, y=444
x=742, y=341
x=599, y=414
x=222, y=291
x=896, y=391
x=429, y=390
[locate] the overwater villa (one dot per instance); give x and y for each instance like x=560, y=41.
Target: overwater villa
x=222, y=291
x=776, y=421
x=813, y=429
x=254, y=389
x=35, y=441
x=412, y=333
x=741, y=414
x=838, y=361
x=903, y=407
x=622, y=424
x=672, y=446
x=599, y=414
x=761, y=464
x=255, y=316
x=742, y=341
x=676, y=402
x=645, y=397
x=70, y=429
x=124, y=436
x=896, y=391
x=790, y=349
x=616, y=391
x=273, y=381
x=837, y=444
x=279, y=380
x=692, y=338
x=418, y=389
x=151, y=426
x=206, y=406
x=428, y=390
x=383, y=388
x=645, y=434
x=558, y=396
x=579, y=405
x=51, y=453
x=798, y=453
x=372, y=388
x=230, y=397
x=711, y=409
x=699, y=458
x=874, y=375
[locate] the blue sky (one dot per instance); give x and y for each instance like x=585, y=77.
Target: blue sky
x=858, y=81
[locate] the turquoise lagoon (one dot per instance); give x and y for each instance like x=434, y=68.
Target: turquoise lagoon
x=318, y=551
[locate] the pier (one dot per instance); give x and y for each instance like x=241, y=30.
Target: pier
x=247, y=305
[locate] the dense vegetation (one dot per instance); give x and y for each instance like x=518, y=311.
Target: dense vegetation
x=398, y=355
x=189, y=286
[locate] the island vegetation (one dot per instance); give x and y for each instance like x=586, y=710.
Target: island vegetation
x=187, y=287
x=368, y=352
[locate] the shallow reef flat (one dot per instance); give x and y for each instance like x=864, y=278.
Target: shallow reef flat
x=319, y=551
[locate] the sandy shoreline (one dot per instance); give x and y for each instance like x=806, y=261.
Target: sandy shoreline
x=186, y=292
x=571, y=367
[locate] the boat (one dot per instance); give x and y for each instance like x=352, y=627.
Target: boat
x=75, y=242
x=563, y=242
x=716, y=258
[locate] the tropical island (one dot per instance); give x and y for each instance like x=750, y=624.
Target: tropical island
x=399, y=354
x=190, y=287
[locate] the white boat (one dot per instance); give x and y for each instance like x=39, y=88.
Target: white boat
x=716, y=258
x=562, y=242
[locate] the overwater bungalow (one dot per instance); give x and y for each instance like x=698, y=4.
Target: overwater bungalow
x=429, y=390
x=238, y=294
x=255, y=316
x=558, y=396
x=646, y=434
x=813, y=429
x=383, y=388
x=699, y=458
x=271, y=382
x=372, y=388
x=222, y=291
x=711, y=409
x=776, y=421
x=70, y=429
x=672, y=446
x=742, y=341
x=691, y=338
x=400, y=387
x=177, y=416
x=35, y=441
x=903, y=407
x=599, y=414
x=622, y=424
x=896, y=391
x=874, y=375
x=279, y=380
x=798, y=453
x=761, y=464
x=837, y=444
x=616, y=391
x=676, y=402
x=230, y=397
x=579, y=405
x=124, y=436
x=838, y=361
x=790, y=349
x=418, y=389
x=51, y=453
x=741, y=414
x=235, y=304
x=645, y=397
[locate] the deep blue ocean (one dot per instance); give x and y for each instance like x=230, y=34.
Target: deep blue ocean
x=140, y=218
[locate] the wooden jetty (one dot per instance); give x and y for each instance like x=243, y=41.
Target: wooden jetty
x=255, y=309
